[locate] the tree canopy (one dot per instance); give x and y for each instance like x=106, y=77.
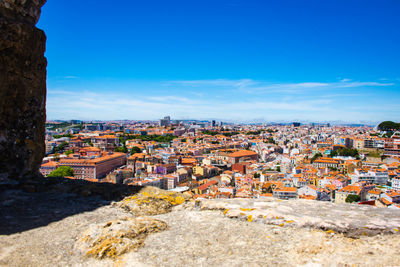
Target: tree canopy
x=352, y=198
x=122, y=149
x=62, y=171
x=318, y=155
x=135, y=150
x=56, y=136
x=254, y=132
x=346, y=152
x=389, y=126
x=153, y=137
x=60, y=147
x=210, y=132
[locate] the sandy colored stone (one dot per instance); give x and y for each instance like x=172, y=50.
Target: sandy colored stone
x=152, y=201
x=350, y=219
x=198, y=237
x=117, y=237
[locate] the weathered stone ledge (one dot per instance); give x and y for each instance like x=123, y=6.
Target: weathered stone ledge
x=350, y=219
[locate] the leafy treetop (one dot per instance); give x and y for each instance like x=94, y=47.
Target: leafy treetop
x=62, y=171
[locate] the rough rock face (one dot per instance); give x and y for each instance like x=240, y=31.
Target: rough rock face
x=351, y=220
x=22, y=89
x=114, y=238
x=152, y=201
x=198, y=233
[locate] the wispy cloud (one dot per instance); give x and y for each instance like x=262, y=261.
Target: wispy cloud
x=236, y=100
x=254, y=86
x=169, y=98
x=216, y=82
x=92, y=105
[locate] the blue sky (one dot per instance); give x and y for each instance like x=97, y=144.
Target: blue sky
x=242, y=60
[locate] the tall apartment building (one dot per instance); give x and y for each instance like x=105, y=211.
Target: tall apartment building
x=392, y=145
x=396, y=184
x=377, y=176
x=166, y=121
x=374, y=143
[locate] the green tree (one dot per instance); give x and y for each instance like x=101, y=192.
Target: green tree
x=278, y=169
x=122, y=149
x=68, y=152
x=270, y=140
x=229, y=134
x=389, y=126
x=257, y=175
x=56, y=136
x=210, y=132
x=154, y=137
x=346, y=152
x=88, y=142
x=60, y=147
x=62, y=171
x=135, y=150
x=318, y=155
x=253, y=132
x=352, y=198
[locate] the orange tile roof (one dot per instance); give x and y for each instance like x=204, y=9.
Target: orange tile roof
x=375, y=191
x=286, y=189
x=351, y=188
x=308, y=197
x=208, y=184
x=385, y=201
x=242, y=153
x=50, y=164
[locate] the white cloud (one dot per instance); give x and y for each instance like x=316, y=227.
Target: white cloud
x=169, y=98
x=225, y=99
x=254, y=86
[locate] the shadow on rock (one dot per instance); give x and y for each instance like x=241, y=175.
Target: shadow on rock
x=39, y=202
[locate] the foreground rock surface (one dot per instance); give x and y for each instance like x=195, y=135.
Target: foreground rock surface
x=117, y=237
x=201, y=236
x=152, y=201
x=352, y=220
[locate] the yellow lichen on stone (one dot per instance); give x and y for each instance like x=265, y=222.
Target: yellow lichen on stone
x=115, y=238
x=250, y=218
x=226, y=211
x=244, y=209
x=179, y=200
x=330, y=231
x=105, y=248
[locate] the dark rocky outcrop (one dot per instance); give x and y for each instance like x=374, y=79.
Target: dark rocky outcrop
x=22, y=89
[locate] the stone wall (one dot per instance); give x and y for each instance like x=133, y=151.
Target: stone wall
x=22, y=89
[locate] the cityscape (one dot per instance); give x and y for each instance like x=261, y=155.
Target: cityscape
x=199, y=133
x=213, y=159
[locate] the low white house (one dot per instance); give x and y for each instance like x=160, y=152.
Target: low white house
x=308, y=190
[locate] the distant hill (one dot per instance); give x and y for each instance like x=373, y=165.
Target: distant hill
x=389, y=126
